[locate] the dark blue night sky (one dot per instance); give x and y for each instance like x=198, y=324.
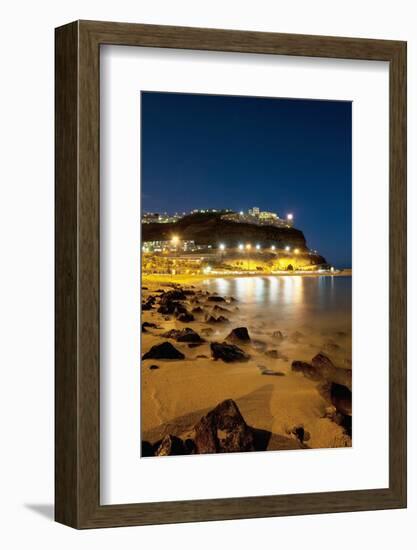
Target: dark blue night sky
x=284, y=155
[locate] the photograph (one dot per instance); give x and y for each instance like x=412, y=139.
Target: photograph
x=246, y=274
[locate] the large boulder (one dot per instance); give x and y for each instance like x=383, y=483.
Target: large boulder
x=223, y=430
x=229, y=353
x=239, y=333
x=163, y=351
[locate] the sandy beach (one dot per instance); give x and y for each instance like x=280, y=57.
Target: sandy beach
x=291, y=405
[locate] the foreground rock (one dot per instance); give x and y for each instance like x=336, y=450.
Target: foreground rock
x=163, y=351
x=239, y=333
x=171, y=445
x=223, y=430
x=229, y=353
x=330, y=372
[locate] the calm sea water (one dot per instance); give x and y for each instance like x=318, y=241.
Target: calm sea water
x=295, y=301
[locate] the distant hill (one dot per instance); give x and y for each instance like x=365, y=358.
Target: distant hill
x=210, y=229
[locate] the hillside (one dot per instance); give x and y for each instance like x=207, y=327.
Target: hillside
x=210, y=229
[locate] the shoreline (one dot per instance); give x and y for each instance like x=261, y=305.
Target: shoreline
x=188, y=279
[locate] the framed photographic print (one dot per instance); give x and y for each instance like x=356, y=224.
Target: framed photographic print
x=230, y=274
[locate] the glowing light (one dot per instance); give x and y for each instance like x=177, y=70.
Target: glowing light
x=296, y=251
x=248, y=246
x=207, y=269
x=290, y=217
x=241, y=213
x=287, y=248
x=175, y=240
x=272, y=247
x=240, y=247
x=222, y=246
x=258, y=247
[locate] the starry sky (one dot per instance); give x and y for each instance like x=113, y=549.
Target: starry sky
x=282, y=155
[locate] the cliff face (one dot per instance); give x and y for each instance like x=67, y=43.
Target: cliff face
x=210, y=229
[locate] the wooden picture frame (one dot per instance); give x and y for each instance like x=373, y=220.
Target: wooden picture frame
x=77, y=405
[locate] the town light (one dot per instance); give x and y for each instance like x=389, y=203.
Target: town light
x=289, y=217
x=175, y=240
x=258, y=247
x=241, y=212
x=240, y=247
x=287, y=248
x=296, y=251
x=222, y=246
x=248, y=246
x=272, y=247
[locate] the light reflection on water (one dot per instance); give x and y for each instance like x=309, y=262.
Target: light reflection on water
x=312, y=300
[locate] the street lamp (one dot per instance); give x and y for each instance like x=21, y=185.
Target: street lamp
x=296, y=251
x=287, y=248
x=240, y=247
x=222, y=246
x=258, y=247
x=248, y=246
x=272, y=247
x=290, y=217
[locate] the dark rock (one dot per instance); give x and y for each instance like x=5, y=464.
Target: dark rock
x=153, y=367
x=223, y=430
x=183, y=335
x=189, y=292
x=330, y=372
x=186, y=317
x=305, y=368
x=171, y=445
x=300, y=433
x=171, y=308
x=270, y=372
x=190, y=446
x=220, y=319
x=195, y=345
x=146, y=449
x=197, y=310
x=145, y=288
x=215, y=299
x=163, y=351
x=219, y=309
x=228, y=353
x=239, y=333
x=341, y=398
x=149, y=325
x=146, y=306
x=172, y=295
